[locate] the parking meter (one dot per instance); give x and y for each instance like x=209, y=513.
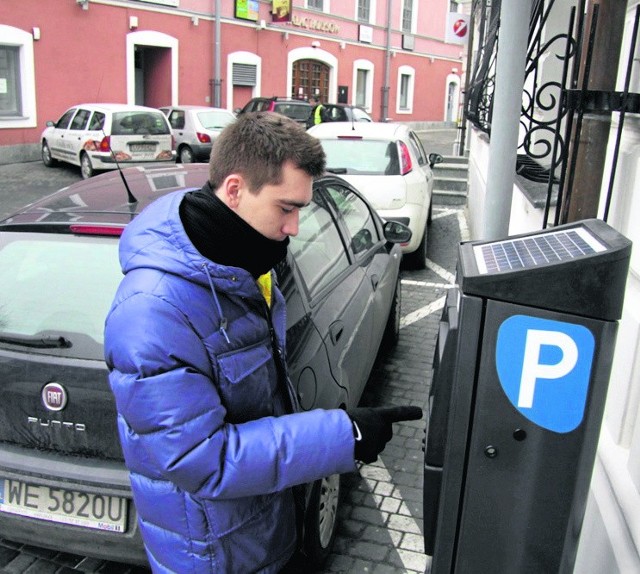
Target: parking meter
x=521, y=371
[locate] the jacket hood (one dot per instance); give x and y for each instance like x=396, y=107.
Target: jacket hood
x=156, y=239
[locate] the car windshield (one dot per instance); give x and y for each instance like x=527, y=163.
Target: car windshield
x=215, y=120
x=292, y=110
x=365, y=157
x=56, y=285
x=139, y=123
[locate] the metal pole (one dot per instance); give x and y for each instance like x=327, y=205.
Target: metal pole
x=384, y=108
x=217, y=99
x=507, y=102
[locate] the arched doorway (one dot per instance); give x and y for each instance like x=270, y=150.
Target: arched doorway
x=310, y=78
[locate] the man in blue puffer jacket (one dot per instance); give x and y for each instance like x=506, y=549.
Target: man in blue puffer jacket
x=194, y=342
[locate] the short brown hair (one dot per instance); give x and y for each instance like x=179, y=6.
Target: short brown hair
x=257, y=145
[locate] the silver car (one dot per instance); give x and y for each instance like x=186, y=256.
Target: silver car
x=194, y=129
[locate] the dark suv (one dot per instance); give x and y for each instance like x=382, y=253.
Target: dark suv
x=298, y=110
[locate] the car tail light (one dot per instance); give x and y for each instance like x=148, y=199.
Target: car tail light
x=405, y=159
x=96, y=229
x=105, y=144
x=203, y=138
x=173, y=143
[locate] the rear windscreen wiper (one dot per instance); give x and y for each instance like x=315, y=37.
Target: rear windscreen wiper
x=36, y=341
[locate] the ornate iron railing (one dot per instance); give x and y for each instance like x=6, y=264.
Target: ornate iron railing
x=552, y=106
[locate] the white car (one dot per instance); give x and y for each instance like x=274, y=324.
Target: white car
x=194, y=129
x=387, y=163
x=105, y=136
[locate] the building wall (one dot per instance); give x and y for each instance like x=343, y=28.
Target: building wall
x=87, y=52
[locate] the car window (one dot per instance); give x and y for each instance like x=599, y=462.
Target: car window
x=80, y=120
x=293, y=110
x=261, y=105
x=318, y=248
x=137, y=122
x=357, y=217
x=213, y=120
x=366, y=157
x=176, y=119
x=336, y=114
x=97, y=121
x=416, y=144
x=63, y=122
x=360, y=115
x=58, y=285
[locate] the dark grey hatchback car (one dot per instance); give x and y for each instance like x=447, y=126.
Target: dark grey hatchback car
x=63, y=483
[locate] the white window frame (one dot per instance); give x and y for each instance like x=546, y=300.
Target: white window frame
x=368, y=97
x=372, y=12
x=154, y=39
x=243, y=58
x=326, y=6
x=15, y=37
x=405, y=71
x=414, y=16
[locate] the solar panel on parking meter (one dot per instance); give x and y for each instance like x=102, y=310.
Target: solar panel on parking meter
x=521, y=372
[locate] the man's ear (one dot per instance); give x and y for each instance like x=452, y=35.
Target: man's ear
x=231, y=189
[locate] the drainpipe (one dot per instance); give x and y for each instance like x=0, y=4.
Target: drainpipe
x=217, y=100
x=384, y=108
x=505, y=121
x=586, y=168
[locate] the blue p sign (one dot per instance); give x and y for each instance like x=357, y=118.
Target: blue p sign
x=544, y=368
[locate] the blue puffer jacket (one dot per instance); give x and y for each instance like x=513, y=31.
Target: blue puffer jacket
x=211, y=452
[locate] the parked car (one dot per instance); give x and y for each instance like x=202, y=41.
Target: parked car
x=63, y=482
x=389, y=164
x=194, y=129
x=105, y=136
x=298, y=110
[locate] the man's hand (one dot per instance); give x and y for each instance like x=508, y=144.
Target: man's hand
x=372, y=428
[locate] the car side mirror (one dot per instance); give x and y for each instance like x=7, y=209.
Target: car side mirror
x=435, y=158
x=396, y=232
x=237, y=111
x=50, y=124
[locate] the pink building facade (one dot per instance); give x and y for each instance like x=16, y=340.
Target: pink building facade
x=388, y=56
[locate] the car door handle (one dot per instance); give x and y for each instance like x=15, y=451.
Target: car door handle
x=335, y=331
x=374, y=281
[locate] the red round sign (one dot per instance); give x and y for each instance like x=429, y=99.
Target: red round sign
x=460, y=28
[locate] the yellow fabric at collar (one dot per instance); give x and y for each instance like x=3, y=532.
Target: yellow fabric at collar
x=264, y=283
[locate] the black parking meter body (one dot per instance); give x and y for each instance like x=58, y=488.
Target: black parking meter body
x=520, y=378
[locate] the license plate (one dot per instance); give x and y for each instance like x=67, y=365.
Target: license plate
x=142, y=147
x=54, y=504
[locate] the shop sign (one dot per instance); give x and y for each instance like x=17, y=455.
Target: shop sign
x=315, y=24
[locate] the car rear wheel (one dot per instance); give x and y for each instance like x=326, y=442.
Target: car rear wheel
x=186, y=154
x=418, y=259
x=322, y=520
x=392, y=328
x=86, y=168
x=47, y=159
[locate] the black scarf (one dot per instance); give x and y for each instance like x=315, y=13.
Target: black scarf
x=223, y=237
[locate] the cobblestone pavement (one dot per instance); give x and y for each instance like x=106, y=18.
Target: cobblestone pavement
x=380, y=529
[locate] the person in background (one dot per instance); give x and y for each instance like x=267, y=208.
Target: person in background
x=318, y=112
x=209, y=422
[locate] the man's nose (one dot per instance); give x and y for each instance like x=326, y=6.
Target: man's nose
x=291, y=226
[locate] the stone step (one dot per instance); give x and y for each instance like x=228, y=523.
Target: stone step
x=456, y=159
x=449, y=183
x=451, y=170
x=448, y=197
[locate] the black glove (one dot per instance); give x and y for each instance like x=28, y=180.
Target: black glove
x=372, y=428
